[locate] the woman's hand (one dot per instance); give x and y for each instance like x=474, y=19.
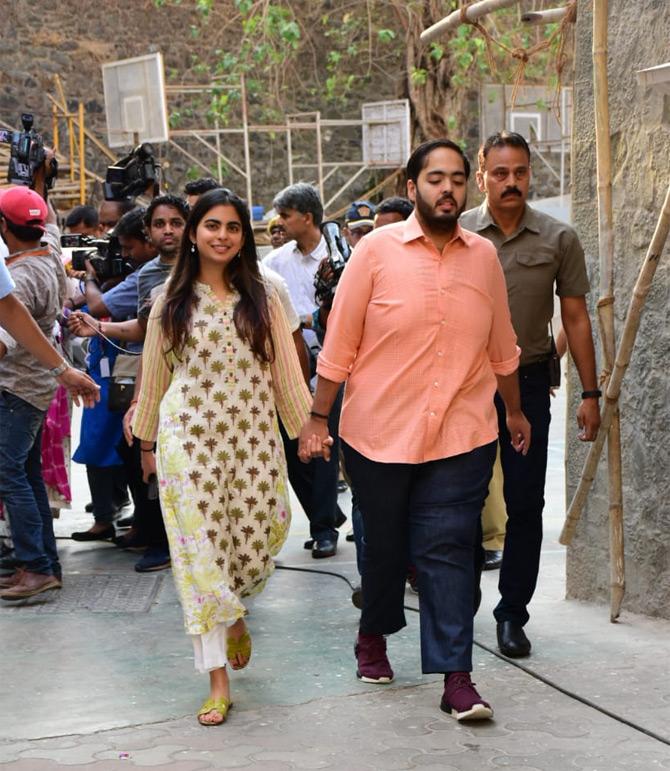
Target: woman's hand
x=314, y=440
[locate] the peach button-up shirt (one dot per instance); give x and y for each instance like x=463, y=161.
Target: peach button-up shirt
x=419, y=336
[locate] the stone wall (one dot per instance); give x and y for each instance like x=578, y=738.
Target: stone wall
x=640, y=131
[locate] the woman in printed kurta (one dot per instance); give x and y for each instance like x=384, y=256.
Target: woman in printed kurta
x=219, y=361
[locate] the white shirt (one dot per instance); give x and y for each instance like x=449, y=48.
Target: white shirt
x=284, y=296
x=298, y=270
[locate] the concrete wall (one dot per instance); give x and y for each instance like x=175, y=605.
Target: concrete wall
x=640, y=130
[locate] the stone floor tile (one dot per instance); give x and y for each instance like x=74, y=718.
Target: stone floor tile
x=71, y=756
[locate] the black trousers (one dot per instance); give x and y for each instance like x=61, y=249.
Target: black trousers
x=147, y=518
x=108, y=486
x=523, y=488
x=315, y=483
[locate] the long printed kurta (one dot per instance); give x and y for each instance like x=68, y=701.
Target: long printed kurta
x=220, y=460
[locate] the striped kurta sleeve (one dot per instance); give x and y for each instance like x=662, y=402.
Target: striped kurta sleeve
x=292, y=396
x=156, y=377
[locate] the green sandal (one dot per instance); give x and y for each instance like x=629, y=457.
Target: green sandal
x=239, y=647
x=220, y=705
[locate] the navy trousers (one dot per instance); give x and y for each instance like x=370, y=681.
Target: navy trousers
x=523, y=488
x=435, y=507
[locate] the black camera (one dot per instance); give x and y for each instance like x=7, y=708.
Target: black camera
x=328, y=274
x=27, y=154
x=132, y=175
x=104, y=254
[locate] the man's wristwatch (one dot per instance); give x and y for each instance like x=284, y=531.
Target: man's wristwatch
x=596, y=393
x=58, y=371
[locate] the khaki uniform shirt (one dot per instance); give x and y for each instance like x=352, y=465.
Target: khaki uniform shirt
x=541, y=255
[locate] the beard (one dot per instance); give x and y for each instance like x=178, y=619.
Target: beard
x=440, y=221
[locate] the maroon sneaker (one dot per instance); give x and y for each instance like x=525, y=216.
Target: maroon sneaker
x=461, y=700
x=373, y=664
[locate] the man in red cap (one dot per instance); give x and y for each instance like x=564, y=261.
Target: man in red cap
x=37, y=279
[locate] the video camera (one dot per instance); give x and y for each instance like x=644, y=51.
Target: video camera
x=104, y=254
x=328, y=274
x=27, y=154
x=130, y=176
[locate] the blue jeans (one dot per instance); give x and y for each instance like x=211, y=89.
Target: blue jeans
x=435, y=507
x=523, y=488
x=22, y=488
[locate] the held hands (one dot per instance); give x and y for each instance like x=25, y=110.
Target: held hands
x=588, y=420
x=81, y=386
x=314, y=440
x=519, y=431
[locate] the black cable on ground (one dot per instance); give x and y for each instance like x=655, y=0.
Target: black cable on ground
x=527, y=670
x=497, y=654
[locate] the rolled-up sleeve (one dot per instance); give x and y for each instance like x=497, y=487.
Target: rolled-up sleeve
x=156, y=377
x=503, y=351
x=347, y=318
x=292, y=396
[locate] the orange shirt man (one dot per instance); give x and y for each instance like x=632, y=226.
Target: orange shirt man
x=421, y=333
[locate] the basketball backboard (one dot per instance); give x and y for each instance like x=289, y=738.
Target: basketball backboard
x=135, y=100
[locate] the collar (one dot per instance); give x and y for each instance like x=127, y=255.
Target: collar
x=529, y=221
x=317, y=254
x=412, y=231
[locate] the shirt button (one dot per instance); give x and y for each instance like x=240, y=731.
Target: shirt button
x=432, y=414
x=435, y=384
x=443, y=322
x=443, y=290
x=440, y=353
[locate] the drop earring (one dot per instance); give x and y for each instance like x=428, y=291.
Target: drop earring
x=193, y=249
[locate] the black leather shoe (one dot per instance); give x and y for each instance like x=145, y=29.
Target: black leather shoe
x=86, y=535
x=492, y=560
x=324, y=549
x=309, y=544
x=512, y=640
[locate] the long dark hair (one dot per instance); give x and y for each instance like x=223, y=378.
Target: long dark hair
x=251, y=315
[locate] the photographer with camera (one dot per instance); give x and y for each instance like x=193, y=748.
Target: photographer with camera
x=107, y=467
x=301, y=212
x=164, y=222
x=26, y=390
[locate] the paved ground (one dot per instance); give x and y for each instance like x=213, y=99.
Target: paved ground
x=107, y=689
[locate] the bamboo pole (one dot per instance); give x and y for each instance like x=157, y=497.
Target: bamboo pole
x=624, y=352
x=82, y=157
x=606, y=301
x=550, y=16
x=54, y=128
x=470, y=12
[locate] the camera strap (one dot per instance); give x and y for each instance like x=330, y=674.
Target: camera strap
x=38, y=251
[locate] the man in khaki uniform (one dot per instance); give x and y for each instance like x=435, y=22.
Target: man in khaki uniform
x=539, y=255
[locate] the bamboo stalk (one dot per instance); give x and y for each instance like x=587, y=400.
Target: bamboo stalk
x=606, y=302
x=624, y=352
x=472, y=13
x=82, y=156
x=550, y=16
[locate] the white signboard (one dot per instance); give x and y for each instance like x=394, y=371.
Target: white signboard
x=386, y=133
x=135, y=100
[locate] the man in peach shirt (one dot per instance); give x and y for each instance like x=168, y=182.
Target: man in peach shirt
x=420, y=331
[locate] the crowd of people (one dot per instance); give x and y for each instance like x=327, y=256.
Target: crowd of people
x=215, y=379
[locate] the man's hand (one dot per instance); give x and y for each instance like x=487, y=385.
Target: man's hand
x=148, y=464
x=81, y=386
x=588, y=420
x=314, y=440
x=128, y=422
x=82, y=324
x=519, y=431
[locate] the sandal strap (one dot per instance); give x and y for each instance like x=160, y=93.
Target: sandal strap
x=220, y=705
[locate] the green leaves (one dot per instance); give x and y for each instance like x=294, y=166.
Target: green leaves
x=386, y=35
